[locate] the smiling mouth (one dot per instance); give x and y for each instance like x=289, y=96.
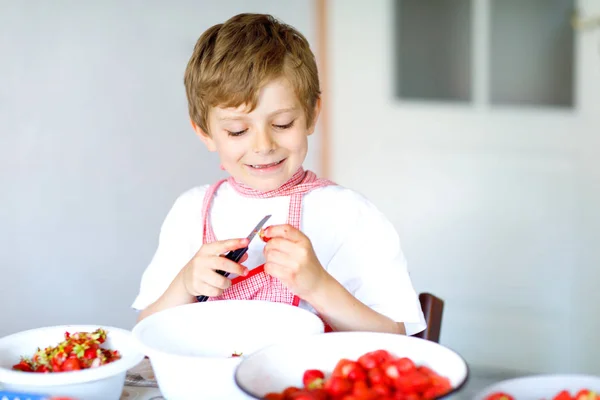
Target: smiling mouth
x=263, y=166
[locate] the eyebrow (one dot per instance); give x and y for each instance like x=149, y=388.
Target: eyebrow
x=241, y=117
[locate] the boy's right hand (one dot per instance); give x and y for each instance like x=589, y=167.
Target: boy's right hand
x=200, y=276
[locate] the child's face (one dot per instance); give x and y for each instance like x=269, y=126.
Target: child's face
x=265, y=147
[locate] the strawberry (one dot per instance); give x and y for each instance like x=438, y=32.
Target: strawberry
x=263, y=236
x=71, y=364
x=585, y=394
x=376, y=376
x=499, y=396
x=90, y=353
x=289, y=391
x=434, y=392
x=349, y=369
x=405, y=396
x=381, y=390
x=563, y=395
x=274, y=396
x=305, y=395
x=23, y=365
x=360, y=387
x=319, y=394
x=356, y=373
x=405, y=365
x=368, y=361
x=42, y=369
x=390, y=369
x=338, y=386
x=313, y=379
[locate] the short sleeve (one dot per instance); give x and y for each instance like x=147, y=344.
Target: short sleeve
x=175, y=249
x=371, y=265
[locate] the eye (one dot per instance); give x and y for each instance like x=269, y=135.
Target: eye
x=238, y=133
x=286, y=126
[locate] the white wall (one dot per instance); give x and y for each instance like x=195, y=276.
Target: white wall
x=496, y=207
x=95, y=145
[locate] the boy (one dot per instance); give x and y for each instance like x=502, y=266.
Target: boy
x=253, y=93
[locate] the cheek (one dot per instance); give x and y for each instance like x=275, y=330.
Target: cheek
x=296, y=142
x=231, y=150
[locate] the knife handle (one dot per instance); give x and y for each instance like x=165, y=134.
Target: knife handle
x=234, y=256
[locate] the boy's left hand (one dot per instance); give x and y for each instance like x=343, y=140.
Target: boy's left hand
x=291, y=259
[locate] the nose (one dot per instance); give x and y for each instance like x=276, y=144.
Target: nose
x=263, y=142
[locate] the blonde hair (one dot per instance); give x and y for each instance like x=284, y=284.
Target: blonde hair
x=232, y=61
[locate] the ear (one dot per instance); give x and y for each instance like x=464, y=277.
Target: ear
x=204, y=137
x=317, y=111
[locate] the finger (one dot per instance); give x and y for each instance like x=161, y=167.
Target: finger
x=217, y=280
x=282, y=245
x=277, y=257
x=199, y=287
x=208, y=290
x=285, y=231
x=229, y=266
x=223, y=246
x=278, y=271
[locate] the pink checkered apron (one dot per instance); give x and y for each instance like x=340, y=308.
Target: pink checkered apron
x=258, y=285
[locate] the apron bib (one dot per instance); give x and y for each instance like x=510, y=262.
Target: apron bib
x=258, y=285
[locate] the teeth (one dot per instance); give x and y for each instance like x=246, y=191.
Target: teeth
x=264, y=166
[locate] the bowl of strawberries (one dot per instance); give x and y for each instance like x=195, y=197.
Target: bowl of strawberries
x=75, y=361
x=353, y=365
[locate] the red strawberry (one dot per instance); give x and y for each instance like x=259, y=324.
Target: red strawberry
x=289, y=391
x=263, y=236
x=42, y=369
x=313, y=379
x=405, y=365
x=24, y=366
x=391, y=370
x=349, y=369
x=585, y=394
x=360, y=387
x=304, y=395
x=71, y=364
x=90, y=354
x=368, y=361
x=405, y=396
x=338, y=386
x=274, y=396
x=376, y=376
x=499, y=396
x=379, y=356
x=381, y=390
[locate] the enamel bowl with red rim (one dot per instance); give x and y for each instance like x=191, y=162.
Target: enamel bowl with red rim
x=281, y=366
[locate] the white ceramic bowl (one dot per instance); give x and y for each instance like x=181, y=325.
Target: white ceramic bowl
x=277, y=367
x=102, y=383
x=537, y=387
x=190, y=346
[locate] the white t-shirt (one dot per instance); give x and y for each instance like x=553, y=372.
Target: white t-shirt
x=352, y=239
